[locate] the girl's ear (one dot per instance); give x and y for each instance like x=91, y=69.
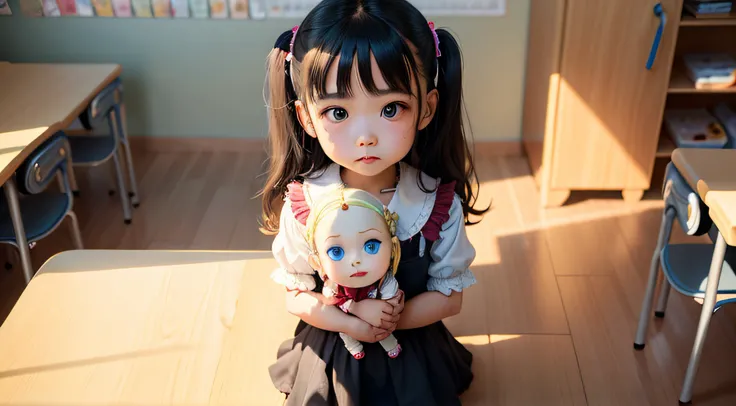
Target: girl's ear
x=303, y=113
x=314, y=262
x=430, y=108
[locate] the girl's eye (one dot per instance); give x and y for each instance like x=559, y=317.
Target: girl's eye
x=391, y=110
x=336, y=114
x=372, y=246
x=335, y=253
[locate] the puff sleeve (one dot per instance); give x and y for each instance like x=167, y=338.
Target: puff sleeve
x=290, y=249
x=452, y=253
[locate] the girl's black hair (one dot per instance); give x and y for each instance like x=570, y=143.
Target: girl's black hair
x=402, y=43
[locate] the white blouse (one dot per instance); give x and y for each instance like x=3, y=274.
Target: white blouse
x=451, y=254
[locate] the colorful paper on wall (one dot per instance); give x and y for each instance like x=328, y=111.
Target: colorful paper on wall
x=84, y=8
x=122, y=8
x=67, y=7
x=257, y=9
x=50, y=8
x=218, y=9
x=239, y=9
x=180, y=8
x=31, y=8
x=161, y=8
x=103, y=8
x=200, y=8
x=5, y=8
x=142, y=8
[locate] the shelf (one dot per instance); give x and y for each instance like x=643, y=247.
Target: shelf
x=680, y=83
x=665, y=146
x=690, y=21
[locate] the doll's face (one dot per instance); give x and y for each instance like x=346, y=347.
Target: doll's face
x=353, y=246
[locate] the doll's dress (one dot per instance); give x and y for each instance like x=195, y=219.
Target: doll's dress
x=315, y=368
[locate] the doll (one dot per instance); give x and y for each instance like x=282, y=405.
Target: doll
x=354, y=248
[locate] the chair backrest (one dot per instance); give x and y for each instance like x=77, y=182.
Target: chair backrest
x=692, y=213
x=101, y=105
x=39, y=169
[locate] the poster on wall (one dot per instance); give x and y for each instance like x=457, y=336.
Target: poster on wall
x=200, y=8
x=239, y=9
x=31, y=8
x=290, y=8
x=5, y=8
x=50, y=8
x=161, y=8
x=257, y=9
x=180, y=8
x=122, y=8
x=103, y=8
x=218, y=9
x=142, y=8
x=84, y=8
x=67, y=7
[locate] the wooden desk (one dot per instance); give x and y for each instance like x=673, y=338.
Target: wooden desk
x=36, y=101
x=145, y=328
x=39, y=99
x=712, y=173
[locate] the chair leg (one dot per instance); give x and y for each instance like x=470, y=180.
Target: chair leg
x=664, y=294
x=124, y=199
x=135, y=198
x=709, y=303
x=646, y=307
x=76, y=233
x=11, y=194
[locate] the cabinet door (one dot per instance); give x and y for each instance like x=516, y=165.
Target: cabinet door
x=610, y=106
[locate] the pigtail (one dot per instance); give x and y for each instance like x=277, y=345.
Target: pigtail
x=452, y=148
x=284, y=133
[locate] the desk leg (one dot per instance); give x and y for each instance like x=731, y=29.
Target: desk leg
x=709, y=303
x=11, y=194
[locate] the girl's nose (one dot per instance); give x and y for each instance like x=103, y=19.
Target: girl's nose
x=366, y=141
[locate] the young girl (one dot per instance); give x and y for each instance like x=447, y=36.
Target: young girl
x=367, y=94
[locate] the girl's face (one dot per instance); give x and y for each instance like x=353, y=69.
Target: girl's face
x=353, y=247
x=366, y=133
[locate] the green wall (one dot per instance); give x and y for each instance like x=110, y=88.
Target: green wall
x=194, y=78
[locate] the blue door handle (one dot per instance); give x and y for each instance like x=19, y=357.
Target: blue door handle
x=659, y=12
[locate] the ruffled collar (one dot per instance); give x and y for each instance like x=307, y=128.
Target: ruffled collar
x=413, y=205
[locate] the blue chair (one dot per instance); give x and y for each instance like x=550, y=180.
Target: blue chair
x=688, y=268
x=41, y=210
x=94, y=150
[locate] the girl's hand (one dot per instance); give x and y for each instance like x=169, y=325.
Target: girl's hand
x=377, y=313
x=366, y=333
x=397, y=302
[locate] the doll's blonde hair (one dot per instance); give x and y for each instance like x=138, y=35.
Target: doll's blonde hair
x=342, y=199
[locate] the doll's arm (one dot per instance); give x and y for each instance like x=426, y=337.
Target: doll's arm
x=389, y=287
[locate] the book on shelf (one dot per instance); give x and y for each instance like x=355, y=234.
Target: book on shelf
x=710, y=70
x=712, y=9
x=694, y=128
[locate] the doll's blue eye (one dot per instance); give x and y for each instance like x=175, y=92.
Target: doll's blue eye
x=335, y=253
x=372, y=246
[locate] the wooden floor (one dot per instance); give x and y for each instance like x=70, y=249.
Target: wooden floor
x=551, y=321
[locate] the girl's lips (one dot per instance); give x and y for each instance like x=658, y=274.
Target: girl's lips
x=358, y=274
x=368, y=159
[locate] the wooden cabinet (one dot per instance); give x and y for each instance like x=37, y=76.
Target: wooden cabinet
x=592, y=110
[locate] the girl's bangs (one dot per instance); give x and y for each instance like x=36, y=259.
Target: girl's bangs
x=360, y=38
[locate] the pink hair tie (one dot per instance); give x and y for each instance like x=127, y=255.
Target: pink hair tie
x=291, y=44
x=436, y=39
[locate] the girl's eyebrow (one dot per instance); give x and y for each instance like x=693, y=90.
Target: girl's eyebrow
x=379, y=92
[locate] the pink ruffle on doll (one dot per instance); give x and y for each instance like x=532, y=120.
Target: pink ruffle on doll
x=354, y=248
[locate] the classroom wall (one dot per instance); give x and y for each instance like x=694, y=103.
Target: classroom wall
x=194, y=78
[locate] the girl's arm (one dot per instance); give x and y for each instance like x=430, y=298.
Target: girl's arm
x=449, y=274
x=429, y=307
x=309, y=307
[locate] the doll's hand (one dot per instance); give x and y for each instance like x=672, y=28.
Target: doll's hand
x=366, y=333
x=377, y=313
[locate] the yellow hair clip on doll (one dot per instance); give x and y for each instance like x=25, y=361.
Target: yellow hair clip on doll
x=353, y=243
